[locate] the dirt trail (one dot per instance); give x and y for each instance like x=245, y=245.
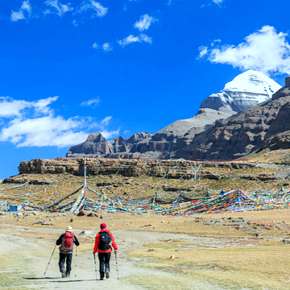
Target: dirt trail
x=25, y=259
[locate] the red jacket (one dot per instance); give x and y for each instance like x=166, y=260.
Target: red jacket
x=97, y=242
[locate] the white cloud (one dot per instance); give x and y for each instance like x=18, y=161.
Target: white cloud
x=26, y=6
x=57, y=7
x=99, y=8
x=144, y=22
x=42, y=106
x=110, y=134
x=130, y=39
x=102, y=128
x=96, y=7
x=43, y=131
x=266, y=50
x=106, y=46
x=218, y=2
x=13, y=108
x=91, y=102
x=95, y=45
x=203, y=50
x=23, y=13
x=28, y=123
x=17, y=16
x=106, y=121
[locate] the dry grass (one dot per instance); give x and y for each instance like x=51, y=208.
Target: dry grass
x=278, y=156
x=150, y=222
x=260, y=267
x=132, y=187
x=253, y=264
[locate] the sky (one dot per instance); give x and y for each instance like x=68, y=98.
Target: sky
x=70, y=68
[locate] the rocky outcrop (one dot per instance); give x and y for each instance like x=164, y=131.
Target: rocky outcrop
x=125, y=167
x=20, y=180
x=119, y=145
x=53, y=166
x=95, y=144
x=283, y=92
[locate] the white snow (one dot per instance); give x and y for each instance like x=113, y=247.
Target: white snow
x=253, y=82
x=244, y=91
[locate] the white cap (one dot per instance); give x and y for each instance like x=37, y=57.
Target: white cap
x=68, y=229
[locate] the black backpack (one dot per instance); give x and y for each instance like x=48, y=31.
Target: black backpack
x=105, y=241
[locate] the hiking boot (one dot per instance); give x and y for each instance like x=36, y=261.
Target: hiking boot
x=107, y=275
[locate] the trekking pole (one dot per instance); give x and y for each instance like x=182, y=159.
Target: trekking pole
x=95, y=266
x=117, y=266
x=49, y=261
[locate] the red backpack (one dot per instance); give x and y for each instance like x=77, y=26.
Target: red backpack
x=68, y=241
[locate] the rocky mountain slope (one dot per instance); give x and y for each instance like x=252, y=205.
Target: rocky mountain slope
x=265, y=126
x=243, y=92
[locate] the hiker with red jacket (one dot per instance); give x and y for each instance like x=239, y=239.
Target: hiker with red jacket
x=104, y=243
x=66, y=244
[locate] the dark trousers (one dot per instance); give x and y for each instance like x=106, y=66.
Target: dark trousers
x=104, y=260
x=65, y=258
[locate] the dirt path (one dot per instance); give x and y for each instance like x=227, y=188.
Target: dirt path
x=23, y=260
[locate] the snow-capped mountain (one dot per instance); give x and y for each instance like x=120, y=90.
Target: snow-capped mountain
x=244, y=91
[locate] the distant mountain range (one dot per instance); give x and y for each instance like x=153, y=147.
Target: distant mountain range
x=240, y=119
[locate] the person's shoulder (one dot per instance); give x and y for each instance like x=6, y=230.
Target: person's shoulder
x=60, y=237
x=110, y=233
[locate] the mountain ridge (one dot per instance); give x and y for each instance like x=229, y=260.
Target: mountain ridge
x=177, y=139
x=265, y=126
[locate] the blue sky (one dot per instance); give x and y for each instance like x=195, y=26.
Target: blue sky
x=73, y=67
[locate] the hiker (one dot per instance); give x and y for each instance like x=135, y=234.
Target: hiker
x=66, y=242
x=104, y=243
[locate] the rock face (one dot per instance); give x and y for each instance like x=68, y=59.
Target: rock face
x=191, y=138
x=126, y=167
x=196, y=124
x=95, y=144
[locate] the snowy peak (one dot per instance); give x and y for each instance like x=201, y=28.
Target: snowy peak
x=253, y=82
x=246, y=90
